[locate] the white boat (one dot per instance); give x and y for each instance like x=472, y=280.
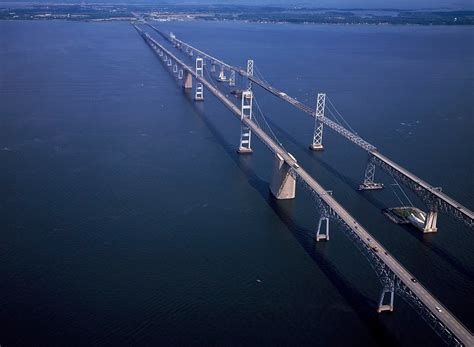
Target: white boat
x=222, y=77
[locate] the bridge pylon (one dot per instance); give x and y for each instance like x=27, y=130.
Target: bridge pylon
x=199, y=95
x=200, y=67
x=180, y=74
x=323, y=234
x=249, y=73
x=317, y=144
x=369, y=177
x=245, y=131
x=430, y=222
x=386, y=306
x=232, y=78
x=188, y=80
x=283, y=182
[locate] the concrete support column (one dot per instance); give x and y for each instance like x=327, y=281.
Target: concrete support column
x=283, y=185
x=430, y=222
x=323, y=234
x=188, y=80
x=389, y=306
x=199, y=95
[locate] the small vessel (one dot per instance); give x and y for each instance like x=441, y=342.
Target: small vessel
x=222, y=77
x=370, y=186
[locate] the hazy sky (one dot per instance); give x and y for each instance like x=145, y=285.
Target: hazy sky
x=415, y=4
x=359, y=3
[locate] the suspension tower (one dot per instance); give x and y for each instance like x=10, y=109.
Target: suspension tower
x=247, y=104
x=199, y=95
x=369, y=176
x=245, y=132
x=317, y=144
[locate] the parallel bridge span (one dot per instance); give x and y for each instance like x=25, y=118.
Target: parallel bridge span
x=433, y=197
x=393, y=276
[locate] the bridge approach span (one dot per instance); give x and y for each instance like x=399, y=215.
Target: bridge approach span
x=431, y=196
x=393, y=276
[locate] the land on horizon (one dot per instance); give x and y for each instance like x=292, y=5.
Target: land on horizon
x=260, y=14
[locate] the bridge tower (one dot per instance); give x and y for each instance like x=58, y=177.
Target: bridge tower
x=232, y=78
x=369, y=176
x=199, y=96
x=180, y=74
x=245, y=132
x=249, y=73
x=317, y=144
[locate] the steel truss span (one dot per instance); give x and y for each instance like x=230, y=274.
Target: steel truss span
x=393, y=276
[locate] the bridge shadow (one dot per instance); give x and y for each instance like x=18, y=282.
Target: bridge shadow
x=370, y=197
x=425, y=239
x=364, y=308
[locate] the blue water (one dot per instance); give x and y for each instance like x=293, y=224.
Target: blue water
x=128, y=218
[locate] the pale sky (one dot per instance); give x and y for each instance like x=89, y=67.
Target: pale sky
x=399, y=4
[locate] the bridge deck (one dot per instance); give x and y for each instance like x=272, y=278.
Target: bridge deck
x=467, y=214
x=448, y=200
x=443, y=315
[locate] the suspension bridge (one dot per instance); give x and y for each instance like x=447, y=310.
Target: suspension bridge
x=286, y=173
x=435, y=200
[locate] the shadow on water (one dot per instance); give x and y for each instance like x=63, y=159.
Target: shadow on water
x=361, y=305
x=371, y=198
x=334, y=172
x=425, y=239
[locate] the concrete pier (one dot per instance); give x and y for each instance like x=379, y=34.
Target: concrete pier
x=430, y=222
x=188, y=80
x=323, y=233
x=316, y=147
x=388, y=306
x=243, y=150
x=283, y=185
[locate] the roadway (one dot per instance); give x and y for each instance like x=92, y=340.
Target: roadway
x=443, y=315
x=466, y=213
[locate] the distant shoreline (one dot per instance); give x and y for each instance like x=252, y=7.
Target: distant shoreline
x=247, y=14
